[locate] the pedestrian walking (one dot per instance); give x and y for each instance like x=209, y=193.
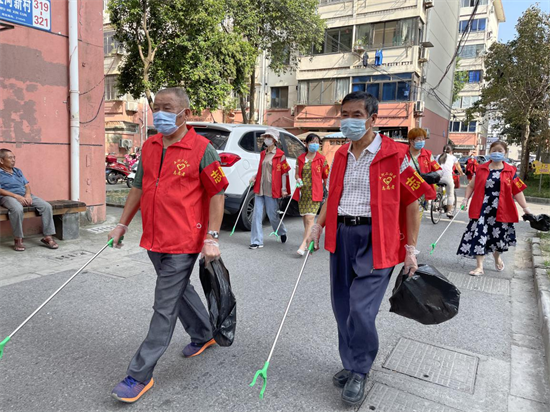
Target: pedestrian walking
x=492, y=210
x=271, y=183
x=449, y=163
x=179, y=186
x=471, y=167
x=372, y=221
x=311, y=175
x=422, y=159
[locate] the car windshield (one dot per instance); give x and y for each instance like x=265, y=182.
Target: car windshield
x=217, y=137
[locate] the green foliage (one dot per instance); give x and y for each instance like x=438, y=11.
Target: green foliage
x=461, y=77
x=518, y=82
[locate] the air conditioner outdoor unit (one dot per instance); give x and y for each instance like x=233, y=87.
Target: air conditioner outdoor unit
x=126, y=143
x=131, y=106
x=428, y=4
x=424, y=55
x=419, y=106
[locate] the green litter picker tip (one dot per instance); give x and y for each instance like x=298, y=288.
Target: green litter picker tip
x=262, y=373
x=434, y=244
x=7, y=339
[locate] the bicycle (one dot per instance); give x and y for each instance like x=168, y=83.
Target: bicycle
x=439, y=204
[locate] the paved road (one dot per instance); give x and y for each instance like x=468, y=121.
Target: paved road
x=70, y=356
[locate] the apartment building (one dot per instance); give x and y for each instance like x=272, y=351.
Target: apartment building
x=473, y=45
x=398, y=50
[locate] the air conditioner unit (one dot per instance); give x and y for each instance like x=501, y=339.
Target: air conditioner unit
x=126, y=143
x=419, y=106
x=424, y=55
x=131, y=106
x=428, y=4
x=424, y=79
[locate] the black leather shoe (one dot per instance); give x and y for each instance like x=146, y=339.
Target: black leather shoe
x=283, y=238
x=354, y=389
x=341, y=378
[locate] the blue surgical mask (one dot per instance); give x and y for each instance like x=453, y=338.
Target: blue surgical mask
x=496, y=156
x=353, y=129
x=419, y=145
x=313, y=147
x=165, y=122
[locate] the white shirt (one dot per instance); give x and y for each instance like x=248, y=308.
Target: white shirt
x=447, y=167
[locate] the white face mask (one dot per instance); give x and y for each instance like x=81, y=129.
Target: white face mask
x=268, y=141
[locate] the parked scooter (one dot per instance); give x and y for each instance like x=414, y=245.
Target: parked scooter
x=114, y=170
x=132, y=175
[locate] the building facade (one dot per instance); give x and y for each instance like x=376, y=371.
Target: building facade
x=473, y=45
x=397, y=51
x=34, y=102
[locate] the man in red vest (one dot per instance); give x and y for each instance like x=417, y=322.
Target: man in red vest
x=372, y=221
x=179, y=186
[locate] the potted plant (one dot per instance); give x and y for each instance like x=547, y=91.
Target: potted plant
x=359, y=46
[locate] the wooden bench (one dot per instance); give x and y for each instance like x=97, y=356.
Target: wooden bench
x=66, y=217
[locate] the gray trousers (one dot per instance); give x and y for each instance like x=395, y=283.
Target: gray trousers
x=15, y=214
x=175, y=298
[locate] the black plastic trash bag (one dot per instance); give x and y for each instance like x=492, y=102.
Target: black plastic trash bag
x=427, y=297
x=221, y=301
x=539, y=222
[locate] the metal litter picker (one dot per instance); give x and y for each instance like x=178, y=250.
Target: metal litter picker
x=433, y=245
x=242, y=207
x=3, y=343
x=276, y=233
x=263, y=372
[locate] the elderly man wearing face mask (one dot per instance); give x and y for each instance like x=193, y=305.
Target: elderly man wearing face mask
x=179, y=186
x=371, y=218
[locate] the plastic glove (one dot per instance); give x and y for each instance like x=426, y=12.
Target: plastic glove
x=464, y=204
x=210, y=250
x=411, y=265
x=299, y=183
x=314, y=235
x=527, y=211
x=115, y=234
x=252, y=180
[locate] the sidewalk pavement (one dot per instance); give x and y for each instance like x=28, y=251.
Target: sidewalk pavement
x=488, y=358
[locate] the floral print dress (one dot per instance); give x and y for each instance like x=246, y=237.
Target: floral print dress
x=485, y=235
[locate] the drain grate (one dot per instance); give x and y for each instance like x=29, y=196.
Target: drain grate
x=68, y=257
x=487, y=284
x=433, y=364
x=382, y=398
x=101, y=229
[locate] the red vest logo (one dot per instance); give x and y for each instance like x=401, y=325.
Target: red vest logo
x=180, y=166
x=387, y=178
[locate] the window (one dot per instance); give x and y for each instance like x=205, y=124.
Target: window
x=471, y=51
x=472, y=127
x=325, y=2
x=472, y=3
x=387, y=34
x=279, y=97
x=111, y=92
x=458, y=126
x=474, y=76
x=110, y=45
x=294, y=148
x=326, y=92
x=477, y=25
x=337, y=40
x=249, y=141
x=385, y=87
x=465, y=102
x=217, y=137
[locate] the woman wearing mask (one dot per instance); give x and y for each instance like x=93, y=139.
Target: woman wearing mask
x=270, y=184
x=471, y=167
x=449, y=162
x=311, y=175
x=422, y=159
x=492, y=211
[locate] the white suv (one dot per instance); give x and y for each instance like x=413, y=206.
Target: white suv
x=239, y=147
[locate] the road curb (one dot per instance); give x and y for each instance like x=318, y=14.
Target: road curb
x=542, y=287
x=539, y=200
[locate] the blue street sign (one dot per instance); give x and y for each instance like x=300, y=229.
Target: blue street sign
x=33, y=13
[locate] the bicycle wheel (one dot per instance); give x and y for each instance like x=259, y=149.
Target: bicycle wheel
x=436, y=209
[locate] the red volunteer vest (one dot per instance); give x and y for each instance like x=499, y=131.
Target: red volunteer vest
x=278, y=169
x=318, y=172
x=175, y=200
x=471, y=166
x=509, y=187
x=391, y=193
x=426, y=165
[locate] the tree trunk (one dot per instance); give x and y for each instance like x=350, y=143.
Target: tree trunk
x=242, y=102
x=525, y=140
x=252, y=94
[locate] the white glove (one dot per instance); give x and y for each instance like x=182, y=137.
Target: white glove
x=314, y=235
x=411, y=265
x=210, y=250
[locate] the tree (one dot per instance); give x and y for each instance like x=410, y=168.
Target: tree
x=518, y=80
x=177, y=43
x=461, y=77
x=284, y=29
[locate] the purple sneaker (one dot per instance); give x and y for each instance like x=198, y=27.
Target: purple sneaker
x=129, y=390
x=194, y=349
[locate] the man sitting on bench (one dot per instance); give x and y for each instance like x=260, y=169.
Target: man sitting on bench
x=15, y=194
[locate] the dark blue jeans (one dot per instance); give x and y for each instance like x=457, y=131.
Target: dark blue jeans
x=357, y=291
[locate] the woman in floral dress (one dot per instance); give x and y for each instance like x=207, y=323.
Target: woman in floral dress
x=492, y=210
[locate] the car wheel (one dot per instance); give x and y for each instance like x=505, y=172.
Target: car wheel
x=245, y=220
x=112, y=178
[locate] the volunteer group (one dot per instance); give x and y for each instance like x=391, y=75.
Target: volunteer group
x=370, y=218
